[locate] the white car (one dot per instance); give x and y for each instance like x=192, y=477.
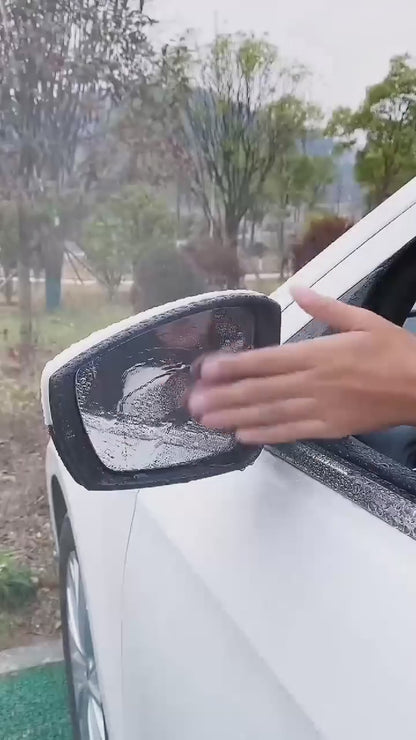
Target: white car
x=212, y=592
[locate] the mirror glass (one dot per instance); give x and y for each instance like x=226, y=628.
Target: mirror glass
x=132, y=397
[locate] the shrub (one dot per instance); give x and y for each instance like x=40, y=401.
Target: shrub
x=320, y=234
x=212, y=261
x=163, y=275
x=17, y=585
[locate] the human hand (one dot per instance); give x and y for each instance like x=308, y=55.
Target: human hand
x=359, y=380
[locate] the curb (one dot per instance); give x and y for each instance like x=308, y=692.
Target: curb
x=22, y=658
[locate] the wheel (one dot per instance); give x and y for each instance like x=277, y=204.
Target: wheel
x=86, y=707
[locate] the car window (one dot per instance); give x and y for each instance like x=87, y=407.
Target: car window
x=410, y=323
x=369, y=471
x=388, y=290
x=356, y=296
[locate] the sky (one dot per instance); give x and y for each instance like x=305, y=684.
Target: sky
x=347, y=46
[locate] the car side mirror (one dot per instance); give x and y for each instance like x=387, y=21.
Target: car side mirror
x=115, y=402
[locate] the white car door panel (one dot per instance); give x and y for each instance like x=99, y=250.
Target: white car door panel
x=190, y=671
x=269, y=595
x=101, y=524
x=261, y=604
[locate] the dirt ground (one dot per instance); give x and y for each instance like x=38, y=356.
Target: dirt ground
x=24, y=516
x=25, y=530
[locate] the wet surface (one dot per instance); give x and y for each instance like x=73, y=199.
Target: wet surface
x=379, y=497
x=132, y=399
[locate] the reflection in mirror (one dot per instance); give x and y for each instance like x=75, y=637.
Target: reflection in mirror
x=132, y=397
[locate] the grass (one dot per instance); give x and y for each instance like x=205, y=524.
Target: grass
x=12, y=629
x=17, y=585
x=85, y=310
x=7, y=627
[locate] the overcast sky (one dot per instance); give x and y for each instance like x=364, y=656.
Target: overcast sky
x=347, y=45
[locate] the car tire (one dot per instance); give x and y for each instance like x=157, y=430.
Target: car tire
x=85, y=702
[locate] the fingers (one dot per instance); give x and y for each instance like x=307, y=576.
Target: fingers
x=272, y=395
x=261, y=415
x=241, y=393
x=290, y=358
x=337, y=315
x=256, y=363
x=282, y=433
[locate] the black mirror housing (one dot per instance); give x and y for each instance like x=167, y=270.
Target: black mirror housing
x=123, y=346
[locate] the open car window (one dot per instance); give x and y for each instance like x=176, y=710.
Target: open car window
x=364, y=473
x=410, y=323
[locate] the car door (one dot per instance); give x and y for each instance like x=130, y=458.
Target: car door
x=279, y=602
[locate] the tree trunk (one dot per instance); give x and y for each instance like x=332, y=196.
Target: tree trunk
x=233, y=277
x=25, y=288
x=52, y=293
x=178, y=209
x=244, y=242
x=112, y=289
x=252, y=233
x=25, y=307
x=53, y=257
x=281, y=246
x=255, y=259
x=232, y=264
x=8, y=285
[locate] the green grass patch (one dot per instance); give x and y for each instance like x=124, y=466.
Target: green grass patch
x=6, y=629
x=33, y=705
x=17, y=584
x=85, y=309
x=57, y=331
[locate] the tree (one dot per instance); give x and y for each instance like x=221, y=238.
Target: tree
x=234, y=125
x=145, y=218
x=9, y=243
x=106, y=250
x=319, y=235
x=311, y=178
x=149, y=124
x=387, y=120
x=297, y=181
x=59, y=218
x=142, y=223
x=61, y=63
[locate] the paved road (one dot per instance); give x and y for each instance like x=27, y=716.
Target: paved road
x=128, y=283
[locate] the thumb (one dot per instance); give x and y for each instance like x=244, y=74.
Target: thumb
x=337, y=315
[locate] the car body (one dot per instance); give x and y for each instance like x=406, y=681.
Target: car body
x=274, y=602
